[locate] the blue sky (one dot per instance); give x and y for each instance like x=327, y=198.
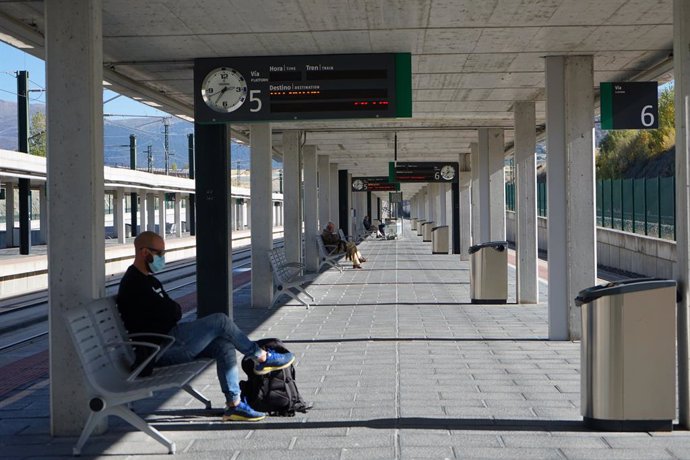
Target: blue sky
x=13, y=60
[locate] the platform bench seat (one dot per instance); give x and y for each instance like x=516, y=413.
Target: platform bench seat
x=106, y=354
x=328, y=255
x=288, y=276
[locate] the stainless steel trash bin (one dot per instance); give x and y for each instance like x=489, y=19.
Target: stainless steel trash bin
x=420, y=225
x=489, y=272
x=628, y=355
x=426, y=231
x=439, y=240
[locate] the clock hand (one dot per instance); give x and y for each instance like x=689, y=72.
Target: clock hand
x=221, y=94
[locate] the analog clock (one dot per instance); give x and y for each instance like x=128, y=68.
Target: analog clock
x=448, y=172
x=224, y=89
x=358, y=184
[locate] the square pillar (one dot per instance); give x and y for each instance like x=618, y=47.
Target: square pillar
x=570, y=188
x=497, y=187
x=119, y=216
x=333, y=197
x=681, y=71
x=214, y=231
x=178, y=215
x=261, y=216
x=162, y=211
x=76, y=248
x=324, y=190
x=526, y=202
x=292, y=186
x=465, y=183
x=9, y=215
x=476, y=209
x=151, y=213
x=311, y=223
x=43, y=206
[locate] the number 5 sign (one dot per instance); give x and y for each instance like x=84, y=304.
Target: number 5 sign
x=629, y=105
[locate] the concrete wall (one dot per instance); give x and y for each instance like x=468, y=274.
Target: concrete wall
x=643, y=255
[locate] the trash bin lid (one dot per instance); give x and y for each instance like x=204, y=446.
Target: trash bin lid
x=497, y=245
x=621, y=287
x=440, y=226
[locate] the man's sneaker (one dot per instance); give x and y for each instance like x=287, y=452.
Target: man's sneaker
x=274, y=362
x=242, y=412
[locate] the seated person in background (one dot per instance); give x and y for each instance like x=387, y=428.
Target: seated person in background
x=382, y=230
x=331, y=239
x=367, y=223
x=146, y=307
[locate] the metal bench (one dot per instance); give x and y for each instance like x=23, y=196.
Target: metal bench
x=287, y=276
x=328, y=257
x=106, y=354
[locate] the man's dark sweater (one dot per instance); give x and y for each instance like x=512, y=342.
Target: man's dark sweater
x=144, y=304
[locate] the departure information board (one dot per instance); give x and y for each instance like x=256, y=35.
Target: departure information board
x=423, y=172
x=373, y=184
x=270, y=88
x=629, y=105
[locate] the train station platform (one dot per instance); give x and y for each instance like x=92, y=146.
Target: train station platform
x=398, y=364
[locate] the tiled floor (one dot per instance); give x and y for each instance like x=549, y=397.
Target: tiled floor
x=399, y=364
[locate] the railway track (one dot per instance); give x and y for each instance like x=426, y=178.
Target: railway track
x=24, y=319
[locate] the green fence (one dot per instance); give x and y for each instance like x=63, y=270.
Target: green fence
x=643, y=206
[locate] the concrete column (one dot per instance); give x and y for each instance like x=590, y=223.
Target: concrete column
x=681, y=71
x=188, y=211
x=119, y=216
x=292, y=185
x=178, y=215
x=151, y=213
x=430, y=202
x=261, y=215
x=333, y=196
x=526, y=202
x=423, y=215
x=484, y=186
x=161, y=214
x=442, y=214
x=476, y=208
x=350, y=204
x=311, y=223
x=324, y=190
x=572, y=234
x=374, y=212
x=43, y=205
x=76, y=249
x=465, y=179
x=9, y=215
x=497, y=187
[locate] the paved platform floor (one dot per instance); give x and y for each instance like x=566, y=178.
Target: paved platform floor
x=398, y=364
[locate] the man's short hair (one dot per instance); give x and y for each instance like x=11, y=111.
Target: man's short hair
x=145, y=239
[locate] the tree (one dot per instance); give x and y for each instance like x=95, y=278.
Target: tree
x=37, y=135
x=621, y=151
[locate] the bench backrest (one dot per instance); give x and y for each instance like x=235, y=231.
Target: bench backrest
x=323, y=252
x=102, y=361
x=281, y=271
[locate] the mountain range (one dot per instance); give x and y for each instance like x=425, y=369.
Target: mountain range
x=116, y=132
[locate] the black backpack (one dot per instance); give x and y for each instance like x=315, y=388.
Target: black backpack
x=275, y=393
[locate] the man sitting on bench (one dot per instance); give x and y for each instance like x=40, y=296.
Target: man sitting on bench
x=146, y=307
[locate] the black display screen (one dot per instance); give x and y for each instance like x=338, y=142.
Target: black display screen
x=424, y=172
x=302, y=87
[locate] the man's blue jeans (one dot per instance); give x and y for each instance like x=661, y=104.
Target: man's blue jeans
x=215, y=336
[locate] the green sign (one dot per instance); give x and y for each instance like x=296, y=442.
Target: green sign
x=629, y=105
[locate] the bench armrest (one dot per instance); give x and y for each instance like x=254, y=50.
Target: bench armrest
x=168, y=340
x=131, y=343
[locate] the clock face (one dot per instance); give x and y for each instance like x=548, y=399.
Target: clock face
x=357, y=184
x=224, y=90
x=448, y=172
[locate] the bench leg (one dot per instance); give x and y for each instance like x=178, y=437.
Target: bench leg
x=91, y=423
x=193, y=392
x=301, y=289
x=138, y=422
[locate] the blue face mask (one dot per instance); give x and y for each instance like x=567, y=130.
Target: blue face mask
x=157, y=264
